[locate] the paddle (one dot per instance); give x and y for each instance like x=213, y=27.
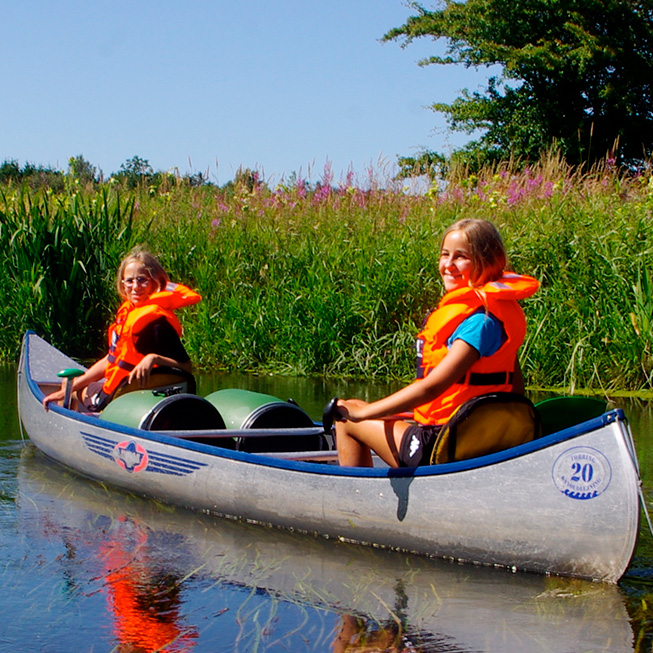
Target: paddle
x=328, y=416
x=68, y=375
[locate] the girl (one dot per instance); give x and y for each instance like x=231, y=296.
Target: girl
x=146, y=333
x=468, y=347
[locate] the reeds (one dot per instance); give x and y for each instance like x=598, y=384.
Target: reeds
x=59, y=258
x=335, y=278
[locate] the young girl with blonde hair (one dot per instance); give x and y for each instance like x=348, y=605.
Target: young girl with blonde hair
x=468, y=347
x=146, y=333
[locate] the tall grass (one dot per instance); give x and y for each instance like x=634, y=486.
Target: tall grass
x=336, y=278
x=58, y=263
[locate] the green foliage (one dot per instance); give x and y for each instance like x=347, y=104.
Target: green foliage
x=33, y=176
x=574, y=74
x=430, y=164
x=58, y=257
x=336, y=279
x=81, y=170
x=135, y=171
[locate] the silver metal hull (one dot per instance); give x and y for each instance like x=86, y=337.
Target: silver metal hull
x=566, y=504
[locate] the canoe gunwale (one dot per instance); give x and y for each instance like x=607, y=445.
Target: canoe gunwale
x=268, y=460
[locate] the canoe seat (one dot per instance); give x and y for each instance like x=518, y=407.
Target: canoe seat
x=162, y=378
x=560, y=413
x=485, y=425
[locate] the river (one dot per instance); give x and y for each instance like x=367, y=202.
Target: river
x=88, y=568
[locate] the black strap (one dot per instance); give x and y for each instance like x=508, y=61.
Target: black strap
x=490, y=378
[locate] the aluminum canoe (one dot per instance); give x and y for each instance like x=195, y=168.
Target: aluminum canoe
x=565, y=504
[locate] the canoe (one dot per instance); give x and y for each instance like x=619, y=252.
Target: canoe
x=565, y=504
x=434, y=604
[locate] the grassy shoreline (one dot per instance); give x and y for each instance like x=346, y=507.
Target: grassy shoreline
x=335, y=279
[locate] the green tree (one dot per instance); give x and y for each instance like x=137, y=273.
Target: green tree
x=79, y=168
x=575, y=74
x=135, y=171
x=33, y=176
x=10, y=171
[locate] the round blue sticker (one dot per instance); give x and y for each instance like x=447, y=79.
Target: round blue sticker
x=582, y=473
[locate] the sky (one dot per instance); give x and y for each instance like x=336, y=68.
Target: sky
x=281, y=86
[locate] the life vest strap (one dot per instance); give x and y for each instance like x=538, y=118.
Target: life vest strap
x=489, y=378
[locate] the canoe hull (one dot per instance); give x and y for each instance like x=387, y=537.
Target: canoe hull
x=488, y=610
x=562, y=505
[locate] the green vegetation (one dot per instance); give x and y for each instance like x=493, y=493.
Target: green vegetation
x=573, y=74
x=335, y=279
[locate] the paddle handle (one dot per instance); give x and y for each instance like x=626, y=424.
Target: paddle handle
x=68, y=375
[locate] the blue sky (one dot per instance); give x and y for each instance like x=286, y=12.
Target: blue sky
x=211, y=85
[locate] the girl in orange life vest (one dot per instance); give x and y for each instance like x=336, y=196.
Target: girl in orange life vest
x=468, y=347
x=146, y=332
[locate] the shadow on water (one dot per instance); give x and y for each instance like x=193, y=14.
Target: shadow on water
x=85, y=567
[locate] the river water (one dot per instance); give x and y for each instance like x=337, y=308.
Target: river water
x=88, y=568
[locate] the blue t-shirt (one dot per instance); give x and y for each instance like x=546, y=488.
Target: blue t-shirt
x=482, y=331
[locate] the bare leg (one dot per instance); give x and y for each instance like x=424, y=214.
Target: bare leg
x=356, y=440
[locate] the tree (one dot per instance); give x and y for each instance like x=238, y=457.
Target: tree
x=575, y=74
x=79, y=168
x=10, y=171
x=34, y=176
x=135, y=171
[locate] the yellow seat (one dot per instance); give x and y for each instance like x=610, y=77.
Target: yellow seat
x=485, y=425
x=162, y=378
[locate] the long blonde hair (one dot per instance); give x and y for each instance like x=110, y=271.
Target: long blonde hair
x=488, y=254
x=149, y=262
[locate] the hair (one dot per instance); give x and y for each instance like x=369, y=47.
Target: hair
x=488, y=254
x=149, y=262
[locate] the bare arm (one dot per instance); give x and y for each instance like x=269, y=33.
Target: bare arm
x=456, y=363
x=93, y=373
x=143, y=369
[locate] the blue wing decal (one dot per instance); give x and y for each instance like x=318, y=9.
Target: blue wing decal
x=99, y=445
x=133, y=457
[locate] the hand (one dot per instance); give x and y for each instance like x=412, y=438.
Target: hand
x=143, y=370
x=53, y=396
x=350, y=410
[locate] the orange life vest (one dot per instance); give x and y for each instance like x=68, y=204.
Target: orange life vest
x=131, y=320
x=488, y=374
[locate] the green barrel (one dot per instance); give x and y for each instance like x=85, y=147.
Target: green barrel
x=154, y=411
x=559, y=413
x=130, y=409
x=243, y=409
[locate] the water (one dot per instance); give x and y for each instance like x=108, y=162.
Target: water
x=88, y=568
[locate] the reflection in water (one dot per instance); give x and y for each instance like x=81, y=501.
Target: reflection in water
x=356, y=634
x=158, y=578
x=144, y=601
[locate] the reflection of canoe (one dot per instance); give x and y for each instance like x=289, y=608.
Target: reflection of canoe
x=470, y=609
x=566, y=503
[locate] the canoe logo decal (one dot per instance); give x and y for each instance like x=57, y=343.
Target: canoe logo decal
x=582, y=473
x=133, y=457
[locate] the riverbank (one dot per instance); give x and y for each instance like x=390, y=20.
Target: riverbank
x=334, y=279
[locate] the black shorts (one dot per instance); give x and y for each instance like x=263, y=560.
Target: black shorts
x=417, y=444
x=96, y=399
